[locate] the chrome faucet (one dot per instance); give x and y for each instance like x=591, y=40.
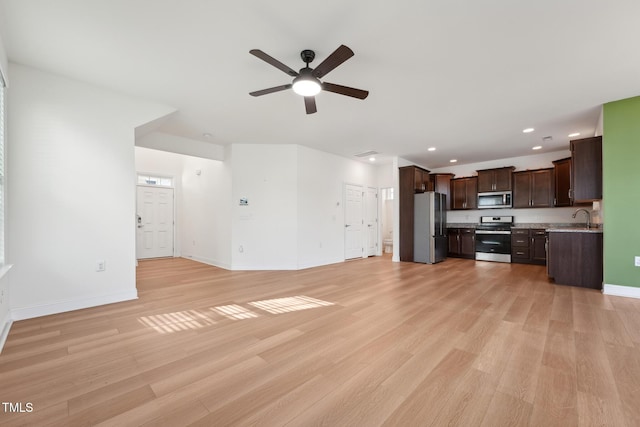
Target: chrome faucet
x=588, y=216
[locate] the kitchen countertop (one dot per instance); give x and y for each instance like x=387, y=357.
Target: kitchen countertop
x=574, y=230
x=570, y=227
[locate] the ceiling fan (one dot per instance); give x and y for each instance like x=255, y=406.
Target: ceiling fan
x=307, y=82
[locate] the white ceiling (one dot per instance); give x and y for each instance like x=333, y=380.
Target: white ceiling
x=464, y=76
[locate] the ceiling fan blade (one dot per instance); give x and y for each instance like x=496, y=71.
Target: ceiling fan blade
x=340, y=55
x=345, y=90
x=310, y=104
x=270, y=60
x=270, y=90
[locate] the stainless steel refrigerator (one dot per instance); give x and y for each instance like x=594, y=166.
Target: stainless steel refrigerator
x=430, y=244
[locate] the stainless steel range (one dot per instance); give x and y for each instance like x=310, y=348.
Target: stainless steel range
x=493, y=238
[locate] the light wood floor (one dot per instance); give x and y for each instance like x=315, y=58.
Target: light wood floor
x=458, y=343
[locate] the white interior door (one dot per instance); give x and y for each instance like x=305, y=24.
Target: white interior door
x=154, y=237
x=371, y=220
x=353, y=221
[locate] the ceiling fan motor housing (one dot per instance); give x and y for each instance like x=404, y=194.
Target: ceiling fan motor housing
x=307, y=56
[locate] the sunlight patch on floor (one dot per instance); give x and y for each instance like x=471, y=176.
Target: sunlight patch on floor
x=177, y=321
x=234, y=312
x=195, y=319
x=288, y=304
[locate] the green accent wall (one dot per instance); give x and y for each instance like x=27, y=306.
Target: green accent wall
x=621, y=191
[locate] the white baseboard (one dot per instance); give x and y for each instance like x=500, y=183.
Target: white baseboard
x=303, y=265
x=264, y=267
x=4, y=329
x=208, y=261
x=621, y=291
x=70, y=305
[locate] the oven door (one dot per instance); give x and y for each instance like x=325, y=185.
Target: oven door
x=493, y=245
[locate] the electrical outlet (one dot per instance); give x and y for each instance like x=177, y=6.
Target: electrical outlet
x=637, y=262
x=100, y=266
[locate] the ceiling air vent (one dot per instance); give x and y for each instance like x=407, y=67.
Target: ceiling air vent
x=366, y=153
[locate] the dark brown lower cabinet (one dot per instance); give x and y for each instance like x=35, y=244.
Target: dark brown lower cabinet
x=528, y=246
x=462, y=242
x=575, y=258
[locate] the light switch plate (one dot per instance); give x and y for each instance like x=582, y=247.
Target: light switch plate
x=637, y=262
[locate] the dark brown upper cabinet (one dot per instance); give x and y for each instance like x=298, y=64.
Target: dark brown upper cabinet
x=464, y=193
x=441, y=183
x=562, y=178
x=586, y=157
x=533, y=189
x=498, y=179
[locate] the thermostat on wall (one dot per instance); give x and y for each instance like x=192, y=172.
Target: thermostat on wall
x=244, y=202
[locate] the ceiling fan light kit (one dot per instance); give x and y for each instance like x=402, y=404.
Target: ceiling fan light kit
x=307, y=82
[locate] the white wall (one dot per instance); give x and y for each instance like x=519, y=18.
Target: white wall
x=264, y=232
x=71, y=192
x=385, y=175
x=5, y=321
x=177, y=144
x=321, y=179
x=4, y=63
x=206, y=211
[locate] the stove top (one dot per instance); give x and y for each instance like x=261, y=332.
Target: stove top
x=498, y=223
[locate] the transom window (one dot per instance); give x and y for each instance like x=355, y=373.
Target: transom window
x=162, y=181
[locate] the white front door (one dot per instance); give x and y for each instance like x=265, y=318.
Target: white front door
x=353, y=221
x=154, y=209
x=371, y=220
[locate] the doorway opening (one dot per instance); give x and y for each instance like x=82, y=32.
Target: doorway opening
x=386, y=220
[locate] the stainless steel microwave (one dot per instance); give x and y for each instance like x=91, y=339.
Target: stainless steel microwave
x=495, y=200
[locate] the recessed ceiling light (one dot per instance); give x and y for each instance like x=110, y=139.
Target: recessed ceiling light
x=372, y=159
x=453, y=161
x=528, y=130
x=537, y=147
x=206, y=135
x=431, y=149
x=571, y=135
